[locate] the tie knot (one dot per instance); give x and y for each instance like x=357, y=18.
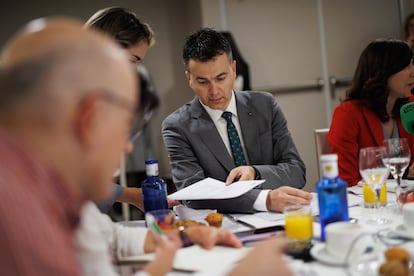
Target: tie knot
x=227, y=115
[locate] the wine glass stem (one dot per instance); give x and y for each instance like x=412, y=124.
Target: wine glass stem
x=377, y=195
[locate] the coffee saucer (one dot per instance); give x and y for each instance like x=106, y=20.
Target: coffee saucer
x=403, y=232
x=319, y=253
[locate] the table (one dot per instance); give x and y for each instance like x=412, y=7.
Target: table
x=361, y=214
x=317, y=268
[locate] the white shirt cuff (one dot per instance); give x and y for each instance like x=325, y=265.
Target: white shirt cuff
x=260, y=203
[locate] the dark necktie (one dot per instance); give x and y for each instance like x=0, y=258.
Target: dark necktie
x=235, y=144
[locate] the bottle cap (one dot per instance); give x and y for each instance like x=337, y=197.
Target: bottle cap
x=329, y=157
x=329, y=165
x=151, y=161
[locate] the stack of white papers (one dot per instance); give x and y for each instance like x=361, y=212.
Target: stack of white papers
x=196, y=258
x=211, y=188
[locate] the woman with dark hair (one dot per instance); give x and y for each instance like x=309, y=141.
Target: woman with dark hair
x=125, y=27
x=136, y=37
x=369, y=113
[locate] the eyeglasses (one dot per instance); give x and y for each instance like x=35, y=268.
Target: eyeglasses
x=140, y=119
x=111, y=98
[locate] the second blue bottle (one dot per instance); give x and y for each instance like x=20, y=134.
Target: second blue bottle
x=154, y=188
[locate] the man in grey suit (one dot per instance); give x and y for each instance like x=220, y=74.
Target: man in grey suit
x=199, y=146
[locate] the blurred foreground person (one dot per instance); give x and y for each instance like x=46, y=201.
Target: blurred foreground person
x=64, y=122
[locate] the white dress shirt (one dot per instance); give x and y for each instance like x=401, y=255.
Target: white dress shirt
x=221, y=125
x=99, y=241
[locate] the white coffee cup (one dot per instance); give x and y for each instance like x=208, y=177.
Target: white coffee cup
x=408, y=216
x=340, y=237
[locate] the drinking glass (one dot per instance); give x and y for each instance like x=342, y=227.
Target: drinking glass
x=298, y=227
x=374, y=172
x=396, y=156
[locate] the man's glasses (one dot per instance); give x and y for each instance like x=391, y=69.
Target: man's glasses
x=140, y=119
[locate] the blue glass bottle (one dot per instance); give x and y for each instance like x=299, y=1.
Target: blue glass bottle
x=154, y=189
x=332, y=193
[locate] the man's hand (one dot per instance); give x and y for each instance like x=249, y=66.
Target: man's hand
x=164, y=255
x=207, y=237
x=241, y=173
x=281, y=197
x=266, y=258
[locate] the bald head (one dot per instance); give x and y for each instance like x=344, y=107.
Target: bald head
x=56, y=56
x=71, y=94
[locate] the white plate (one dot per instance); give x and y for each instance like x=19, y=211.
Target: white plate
x=401, y=231
x=319, y=252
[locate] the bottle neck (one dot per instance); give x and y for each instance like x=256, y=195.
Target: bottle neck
x=152, y=170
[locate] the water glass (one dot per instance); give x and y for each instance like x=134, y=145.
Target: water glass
x=165, y=218
x=396, y=156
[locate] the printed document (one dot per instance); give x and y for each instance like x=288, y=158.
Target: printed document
x=211, y=188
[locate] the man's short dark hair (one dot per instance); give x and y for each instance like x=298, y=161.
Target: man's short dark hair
x=205, y=44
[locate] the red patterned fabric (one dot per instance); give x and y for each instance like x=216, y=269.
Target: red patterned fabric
x=38, y=214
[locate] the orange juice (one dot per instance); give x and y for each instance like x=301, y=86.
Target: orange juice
x=298, y=226
x=369, y=196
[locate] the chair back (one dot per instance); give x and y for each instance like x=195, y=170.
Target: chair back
x=321, y=145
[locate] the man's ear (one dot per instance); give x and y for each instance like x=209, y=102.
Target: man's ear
x=86, y=120
x=187, y=75
x=233, y=67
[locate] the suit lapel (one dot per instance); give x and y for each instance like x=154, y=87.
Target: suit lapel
x=209, y=135
x=248, y=127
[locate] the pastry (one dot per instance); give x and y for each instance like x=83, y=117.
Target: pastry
x=393, y=268
x=396, y=264
x=397, y=254
x=214, y=219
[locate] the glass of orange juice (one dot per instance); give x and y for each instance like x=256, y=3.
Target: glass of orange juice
x=298, y=226
x=370, y=198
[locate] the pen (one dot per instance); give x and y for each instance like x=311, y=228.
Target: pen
x=235, y=219
x=153, y=225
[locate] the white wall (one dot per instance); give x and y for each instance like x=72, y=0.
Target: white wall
x=281, y=42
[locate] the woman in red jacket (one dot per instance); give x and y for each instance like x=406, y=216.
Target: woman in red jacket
x=370, y=112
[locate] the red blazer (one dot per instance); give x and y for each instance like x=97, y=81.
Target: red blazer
x=354, y=127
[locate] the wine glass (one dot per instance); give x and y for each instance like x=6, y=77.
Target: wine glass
x=396, y=156
x=374, y=172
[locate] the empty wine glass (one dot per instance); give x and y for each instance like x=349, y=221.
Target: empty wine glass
x=396, y=156
x=374, y=172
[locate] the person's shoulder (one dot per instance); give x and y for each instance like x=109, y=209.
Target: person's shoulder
x=351, y=105
x=180, y=114
x=260, y=97
x=257, y=94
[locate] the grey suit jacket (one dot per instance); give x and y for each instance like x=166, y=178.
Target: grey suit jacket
x=197, y=151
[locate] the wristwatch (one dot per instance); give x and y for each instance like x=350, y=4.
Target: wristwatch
x=257, y=174
x=184, y=237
